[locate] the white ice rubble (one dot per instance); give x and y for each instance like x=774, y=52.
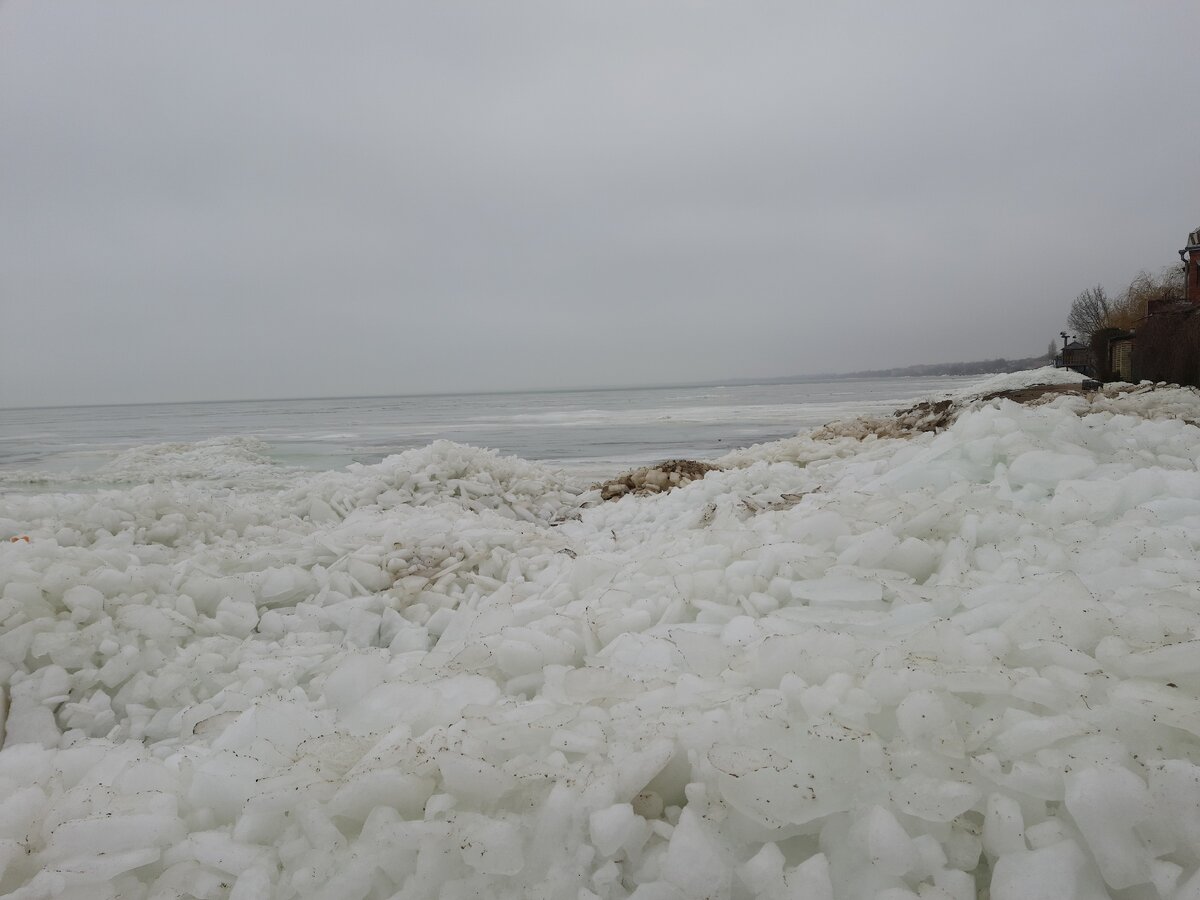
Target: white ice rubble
x=957, y=665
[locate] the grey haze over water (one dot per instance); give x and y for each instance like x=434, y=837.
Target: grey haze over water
x=214, y=198
x=593, y=431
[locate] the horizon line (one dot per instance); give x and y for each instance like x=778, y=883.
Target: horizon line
x=743, y=381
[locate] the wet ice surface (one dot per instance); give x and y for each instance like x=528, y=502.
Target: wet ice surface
x=846, y=668
x=598, y=431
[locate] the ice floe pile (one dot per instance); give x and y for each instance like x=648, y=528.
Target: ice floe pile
x=945, y=666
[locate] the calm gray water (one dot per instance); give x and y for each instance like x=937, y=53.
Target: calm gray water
x=585, y=429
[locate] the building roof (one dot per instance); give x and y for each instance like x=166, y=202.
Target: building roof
x=1164, y=307
x=1192, y=244
x=1075, y=345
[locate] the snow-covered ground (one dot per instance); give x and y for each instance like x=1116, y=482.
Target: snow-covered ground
x=930, y=666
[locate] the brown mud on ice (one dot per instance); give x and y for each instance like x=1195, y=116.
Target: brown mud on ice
x=656, y=479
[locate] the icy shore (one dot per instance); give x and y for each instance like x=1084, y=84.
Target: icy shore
x=846, y=666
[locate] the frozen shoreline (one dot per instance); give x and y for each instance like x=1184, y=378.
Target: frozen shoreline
x=597, y=430
x=840, y=667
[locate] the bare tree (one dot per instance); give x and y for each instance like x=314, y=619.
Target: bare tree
x=1090, y=312
x=1093, y=311
x=1131, y=307
x=1053, y=351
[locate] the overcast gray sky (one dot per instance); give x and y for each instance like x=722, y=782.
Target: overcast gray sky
x=204, y=200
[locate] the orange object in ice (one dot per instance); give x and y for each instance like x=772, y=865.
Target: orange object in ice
x=23, y=537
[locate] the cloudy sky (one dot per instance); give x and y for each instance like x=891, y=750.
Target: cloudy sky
x=204, y=200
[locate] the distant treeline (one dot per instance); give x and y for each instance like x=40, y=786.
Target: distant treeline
x=980, y=367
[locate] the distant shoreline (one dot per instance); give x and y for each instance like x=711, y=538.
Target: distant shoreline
x=923, y=370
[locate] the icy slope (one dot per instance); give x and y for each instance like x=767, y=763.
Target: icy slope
x=940, y=665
